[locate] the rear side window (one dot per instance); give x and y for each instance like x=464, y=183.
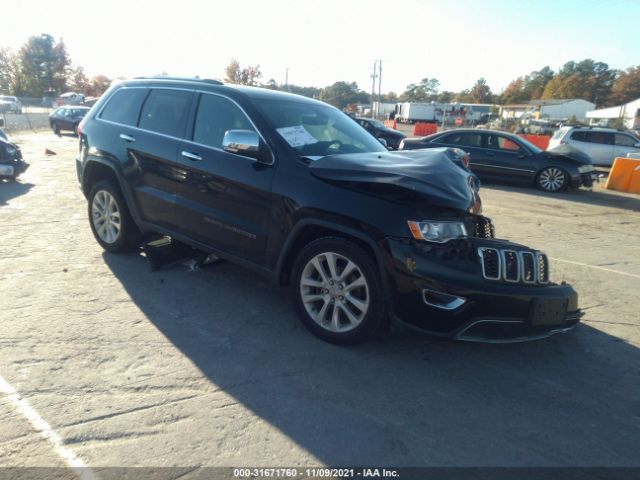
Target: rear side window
x=166, y=112
x=604, y=138
x=124, y=106
x=465, y=139
x=498, y=142
x=215, y=116
x=579, y=136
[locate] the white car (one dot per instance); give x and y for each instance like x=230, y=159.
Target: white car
x=10, y=104
x=603, y=145
x=70, y=98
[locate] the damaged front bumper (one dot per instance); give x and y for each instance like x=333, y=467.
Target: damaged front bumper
x=450, y=290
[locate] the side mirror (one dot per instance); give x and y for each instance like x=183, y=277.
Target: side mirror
x=383, y=141
x=246, y=143
x=523, y=154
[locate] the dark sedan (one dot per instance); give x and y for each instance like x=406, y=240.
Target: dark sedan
x=377, y=129
x=503, y=157
x=67, y=118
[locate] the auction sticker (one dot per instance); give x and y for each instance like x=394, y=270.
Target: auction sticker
x=297, y=136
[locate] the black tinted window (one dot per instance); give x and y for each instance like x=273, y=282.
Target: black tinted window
x=466, y=139
x=605, y=138
x=166, y=111
x=124, y=106
x=215, y=116
x=579, y=136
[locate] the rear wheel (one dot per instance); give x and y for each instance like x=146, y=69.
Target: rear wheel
x=55, y=128
x=110, y=220
x=552, y=179
x=337, y=291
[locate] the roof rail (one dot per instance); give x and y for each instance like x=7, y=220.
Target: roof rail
x=190, y=79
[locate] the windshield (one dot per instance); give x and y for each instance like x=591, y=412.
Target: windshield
x=530, y=145
x=314, y=130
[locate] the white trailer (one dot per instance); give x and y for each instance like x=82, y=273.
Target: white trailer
x=409, y=112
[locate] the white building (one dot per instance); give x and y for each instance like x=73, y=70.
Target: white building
x=629, y=112
x=552, y=110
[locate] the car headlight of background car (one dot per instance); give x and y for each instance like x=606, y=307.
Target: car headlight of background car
x=437, y=231
x=585, y=168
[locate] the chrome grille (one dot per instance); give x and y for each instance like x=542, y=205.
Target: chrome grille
x=514, y=266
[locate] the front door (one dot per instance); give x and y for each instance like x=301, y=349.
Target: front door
x=223, y=199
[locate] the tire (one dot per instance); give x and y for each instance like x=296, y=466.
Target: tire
x=55, y=128
x=552, y=179
x=118, y=233
x=319, y=294
x=75, y=129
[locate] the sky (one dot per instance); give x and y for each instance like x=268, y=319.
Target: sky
x=321, y=42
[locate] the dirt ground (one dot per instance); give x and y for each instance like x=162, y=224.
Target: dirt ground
x=130, y=367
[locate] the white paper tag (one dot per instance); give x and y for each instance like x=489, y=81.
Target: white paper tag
x=297, y=136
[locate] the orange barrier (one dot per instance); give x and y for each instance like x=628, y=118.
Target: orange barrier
x=391, y=124
x=540, y=141
x=624, y=175
x=421, y=129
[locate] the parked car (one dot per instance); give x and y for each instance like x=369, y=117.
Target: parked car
x=11, y=162
x=292, y=188
x=9, y=104
x=376, y=128
x=504, y=157
x=67, y=118
x=70, y=98
x=603, y=145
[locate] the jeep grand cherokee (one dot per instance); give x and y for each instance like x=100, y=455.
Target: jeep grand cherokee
x=298, y=191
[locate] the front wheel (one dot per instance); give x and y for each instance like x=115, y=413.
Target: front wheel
x=110, y=220
x=55, y=128
x=337, y=291
x=552, y=179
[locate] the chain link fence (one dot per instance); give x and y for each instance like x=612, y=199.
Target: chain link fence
x=25, y=113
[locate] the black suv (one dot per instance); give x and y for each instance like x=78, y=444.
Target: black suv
x=376, y=128
x=298, y=191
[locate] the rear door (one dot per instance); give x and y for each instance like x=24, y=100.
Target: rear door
x=223, y=199
x=507, y=160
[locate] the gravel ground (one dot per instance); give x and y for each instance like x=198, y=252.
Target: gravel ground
x=211, y=367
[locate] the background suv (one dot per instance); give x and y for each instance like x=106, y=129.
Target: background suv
x=296, y=190
x=603, y=145
x=378, y=130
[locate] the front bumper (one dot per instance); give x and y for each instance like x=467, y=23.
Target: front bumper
x=426, y=279
x=13, y=169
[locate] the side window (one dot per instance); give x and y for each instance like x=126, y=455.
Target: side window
x=215, y=116
x=498, y=142
x=124, y=106
x=625, y=140
x=464, y=139
x=603, y=138
x=166, y=112
x=579, y=136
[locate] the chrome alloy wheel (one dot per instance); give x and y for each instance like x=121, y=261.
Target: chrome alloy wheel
x=334, y=292
x=552, y=179
x=105, y=216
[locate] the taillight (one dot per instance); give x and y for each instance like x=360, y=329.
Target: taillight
x=80, y=126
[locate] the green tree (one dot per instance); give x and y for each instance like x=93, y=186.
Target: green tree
x=7, y=71
x=341, y=94
x=425, y=91
x=626, y=87
x=97, y=86
x=480, y=92
x=586, y=79
x=242, y=76
x=77, y=80
x=43, y=66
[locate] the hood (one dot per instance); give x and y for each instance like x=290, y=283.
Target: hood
x=434, y=176
x=571, y=153
x=393, y=133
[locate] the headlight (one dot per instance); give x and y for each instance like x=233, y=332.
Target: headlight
x=11, y=152
x=439, y=232
x=585, y=168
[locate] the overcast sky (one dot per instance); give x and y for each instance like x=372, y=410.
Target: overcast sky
x=455, y=41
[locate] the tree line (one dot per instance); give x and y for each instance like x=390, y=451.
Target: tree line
x=42, y=68
x=587, y=79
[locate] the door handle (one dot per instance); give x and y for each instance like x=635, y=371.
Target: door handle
x=127, y=138
x=191, y=156
x=490, y=154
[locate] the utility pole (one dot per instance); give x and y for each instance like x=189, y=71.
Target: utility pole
x=286, y=80
x=379, y=86
x=373, y=85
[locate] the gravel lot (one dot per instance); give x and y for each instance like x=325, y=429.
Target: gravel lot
x=211, y=367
